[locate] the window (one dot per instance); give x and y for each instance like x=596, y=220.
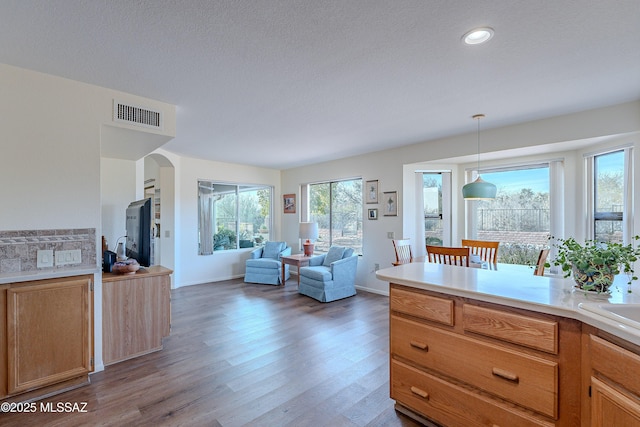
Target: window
x=337, y=208
x=519, y=216
x=436, y=205
x=609, y=173
x=432, y=201
x=232, y=216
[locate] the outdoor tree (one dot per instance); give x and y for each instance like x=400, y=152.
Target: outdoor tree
x=610, y=191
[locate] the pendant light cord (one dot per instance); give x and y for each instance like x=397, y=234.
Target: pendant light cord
x=478, y=117
x=478, y=146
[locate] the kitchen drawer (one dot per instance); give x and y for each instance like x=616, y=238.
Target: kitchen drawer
x=451, y=404
x=526, y=380
x=514, y=328
x=616, y=363
x=420, y=305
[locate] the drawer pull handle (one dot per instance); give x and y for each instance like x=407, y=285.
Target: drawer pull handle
x=421, y=393
x=510, y=376
x=420, y=345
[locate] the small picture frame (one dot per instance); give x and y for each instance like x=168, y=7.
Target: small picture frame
x=371, y=191
x=289, y=203
x=372, y=213
x=390, y=203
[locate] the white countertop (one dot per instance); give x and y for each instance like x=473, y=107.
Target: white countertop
x=516, y=286
x=51, y=273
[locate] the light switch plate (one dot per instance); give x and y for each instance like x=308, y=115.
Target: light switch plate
x=45, y=258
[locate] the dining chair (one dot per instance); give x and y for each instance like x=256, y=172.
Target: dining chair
x=542, y=259
x=403, y=251
x=448, y=255
x=486, y=250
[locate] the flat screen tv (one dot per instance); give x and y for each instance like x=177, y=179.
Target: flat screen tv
x=139, y=231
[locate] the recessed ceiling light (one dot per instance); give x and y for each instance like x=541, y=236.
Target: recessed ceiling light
x=478, y=35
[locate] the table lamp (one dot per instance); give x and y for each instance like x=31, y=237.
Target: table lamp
x=308, y=231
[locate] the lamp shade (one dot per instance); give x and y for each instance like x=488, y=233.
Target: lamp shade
x=308, y=230
x=479, y=190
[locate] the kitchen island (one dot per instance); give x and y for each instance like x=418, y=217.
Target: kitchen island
x=471, y=346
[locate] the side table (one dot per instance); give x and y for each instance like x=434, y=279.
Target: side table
x=299, y=260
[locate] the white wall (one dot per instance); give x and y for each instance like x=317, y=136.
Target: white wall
x=192, y=268
x=50, y=164
x=117, y=191
x=394, y=170
x=386, y=167
x=50, y=161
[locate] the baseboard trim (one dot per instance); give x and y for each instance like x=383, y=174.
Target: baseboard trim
x=373, y=291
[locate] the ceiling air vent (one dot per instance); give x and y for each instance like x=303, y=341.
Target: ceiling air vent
x=137, y=116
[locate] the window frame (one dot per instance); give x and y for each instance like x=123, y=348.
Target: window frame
x=626, y=216
x=239, y=188
x=445, y=214
x=556, y=193
x=305, y=210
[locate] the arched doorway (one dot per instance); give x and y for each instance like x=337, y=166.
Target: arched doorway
x=159, y=179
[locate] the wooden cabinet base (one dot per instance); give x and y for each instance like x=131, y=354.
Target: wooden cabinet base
x=612, y=374
x=136, y=313
x=414, y=415
x=51, y=390
x=454, y=404
x=611, y=407
x=461, y=362
x=49, y=336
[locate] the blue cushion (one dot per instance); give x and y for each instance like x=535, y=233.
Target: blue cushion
x=347, y=253
x=334, y=254
x=264, y=263
x=272, y=249
x=319, y=273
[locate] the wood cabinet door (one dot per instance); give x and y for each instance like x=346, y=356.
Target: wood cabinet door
x=48, y=332
x=135, y=317
x=610, y=407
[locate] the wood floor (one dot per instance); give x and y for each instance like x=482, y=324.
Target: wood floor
x=248, y=355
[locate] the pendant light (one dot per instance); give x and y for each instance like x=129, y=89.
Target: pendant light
x=479, y=189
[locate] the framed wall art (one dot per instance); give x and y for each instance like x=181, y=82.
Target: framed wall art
x=371, y=191
x=390, y=203
x=372, y=213
x=289, y=203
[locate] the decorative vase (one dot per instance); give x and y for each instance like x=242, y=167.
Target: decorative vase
x=592, y=282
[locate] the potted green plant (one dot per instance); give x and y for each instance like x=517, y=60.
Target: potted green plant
x=594, y=264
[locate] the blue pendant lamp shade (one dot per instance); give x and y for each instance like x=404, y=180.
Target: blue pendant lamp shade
x=479, y=189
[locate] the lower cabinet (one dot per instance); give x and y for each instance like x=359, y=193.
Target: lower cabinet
x=456, y=361
x=47, y=337
x=614, y=380
x=612, y=407
x=136, y=313
x=452, y=403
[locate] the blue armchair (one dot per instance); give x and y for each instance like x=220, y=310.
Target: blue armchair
x=331, y=276
x=264, y=265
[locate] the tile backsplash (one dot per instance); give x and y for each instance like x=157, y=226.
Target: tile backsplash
x=19, y=248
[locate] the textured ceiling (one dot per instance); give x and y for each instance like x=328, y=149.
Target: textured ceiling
x=283, y=83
